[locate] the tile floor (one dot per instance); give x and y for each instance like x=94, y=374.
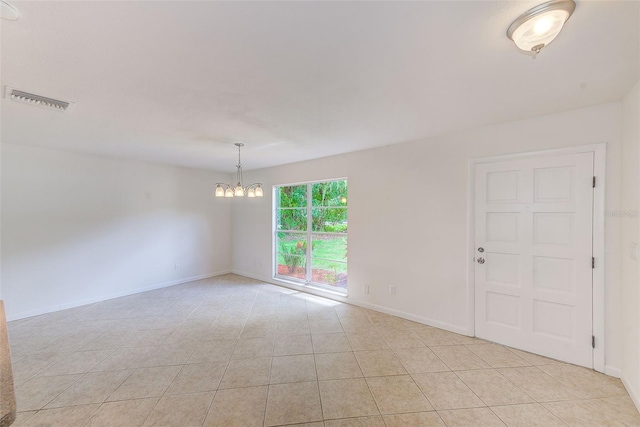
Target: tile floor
x=230, y=351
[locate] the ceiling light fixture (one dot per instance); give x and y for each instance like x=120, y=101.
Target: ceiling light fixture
x=537, y=27
x=8, y=11
x=33, y=99
x=226, y=190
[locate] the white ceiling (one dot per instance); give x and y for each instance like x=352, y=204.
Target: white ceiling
x=180, y=82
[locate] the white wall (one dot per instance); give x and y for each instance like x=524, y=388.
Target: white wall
x=408, y=214
x=630, y=235
x=79, y=228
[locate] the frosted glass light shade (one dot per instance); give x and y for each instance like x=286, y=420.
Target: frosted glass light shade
x=251, y=193
x=539, y=26
x=228, y=193
x=259, y=192
x=219, y=191
x=8, y=11
x=239, y=191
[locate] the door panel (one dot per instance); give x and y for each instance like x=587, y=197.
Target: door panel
x=533, y=219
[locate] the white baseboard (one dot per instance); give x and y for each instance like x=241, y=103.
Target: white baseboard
x=635, y=396
x=612, y=371
x=336, y=297
x=104, y=297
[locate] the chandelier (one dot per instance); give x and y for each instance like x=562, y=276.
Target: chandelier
x=251, y=190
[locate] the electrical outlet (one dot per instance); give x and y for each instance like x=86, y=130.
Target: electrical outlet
x=177, y=266
x=634, y=252
x=392, y=290
x=365, y=289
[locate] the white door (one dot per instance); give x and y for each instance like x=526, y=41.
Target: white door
x=533, y=255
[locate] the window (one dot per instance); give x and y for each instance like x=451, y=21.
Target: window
x=311, y=233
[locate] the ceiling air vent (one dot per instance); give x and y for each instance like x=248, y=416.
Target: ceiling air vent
x=33, y=99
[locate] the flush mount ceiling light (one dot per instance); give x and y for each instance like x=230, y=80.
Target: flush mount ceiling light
x=8, y=11
x=226, y=190
x=537, y=27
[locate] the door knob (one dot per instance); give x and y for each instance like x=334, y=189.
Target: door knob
x=480, y=260
x=480, y=249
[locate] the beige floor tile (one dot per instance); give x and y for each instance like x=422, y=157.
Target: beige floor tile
x=446, y=391
x=356, y=422
x=361, y=342
x=202, y=323
x=397, y=394
x=146, y=382
x=291, y=369
x=125, y=358
x=436, y=337
x=608, y=412
x=168, y=355
x=357, y=325
x=459, y=358
x=77, y=363
x=240, y=407
x=259, y=329
x=330, y=343
x=422, y=419
x=325, y=326
x=420, y=360
x=126, y=413
x=213, y=351
x=184, y=410
x=588, y=383
x=246, y=373
x=94, y=387
x=69, y=343
x=528, y=415
x=346, y=399
x=476, y=417
x=492, y=388
x=335, y=366
x=539, y=385
x=293, y=403
x=37, y=392
x=498, y=356
x=198, y=377
x=402, y=339
x=292, y=328
x=253, y=347
x=73, y=416
x=22, y=417
x=27, y=366
x=376, y=363
x=533, y=359
x=291, y=345
x=318, y=424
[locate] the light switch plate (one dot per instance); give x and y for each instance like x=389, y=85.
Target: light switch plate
x=634, y=251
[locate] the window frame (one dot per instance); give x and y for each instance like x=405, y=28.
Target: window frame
x=308, y=234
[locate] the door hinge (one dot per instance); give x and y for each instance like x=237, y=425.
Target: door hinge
x=593, y=262
x=594, y=182
x=593, y=341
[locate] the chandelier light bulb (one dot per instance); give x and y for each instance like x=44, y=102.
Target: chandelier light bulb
x=251, y=193
x=228, y=192
x=219, y=191
x=259, y=192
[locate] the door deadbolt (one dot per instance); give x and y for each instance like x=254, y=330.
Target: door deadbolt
x=481, y=249
x=480, y=260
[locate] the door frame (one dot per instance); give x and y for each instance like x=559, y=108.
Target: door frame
x=599, y=151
